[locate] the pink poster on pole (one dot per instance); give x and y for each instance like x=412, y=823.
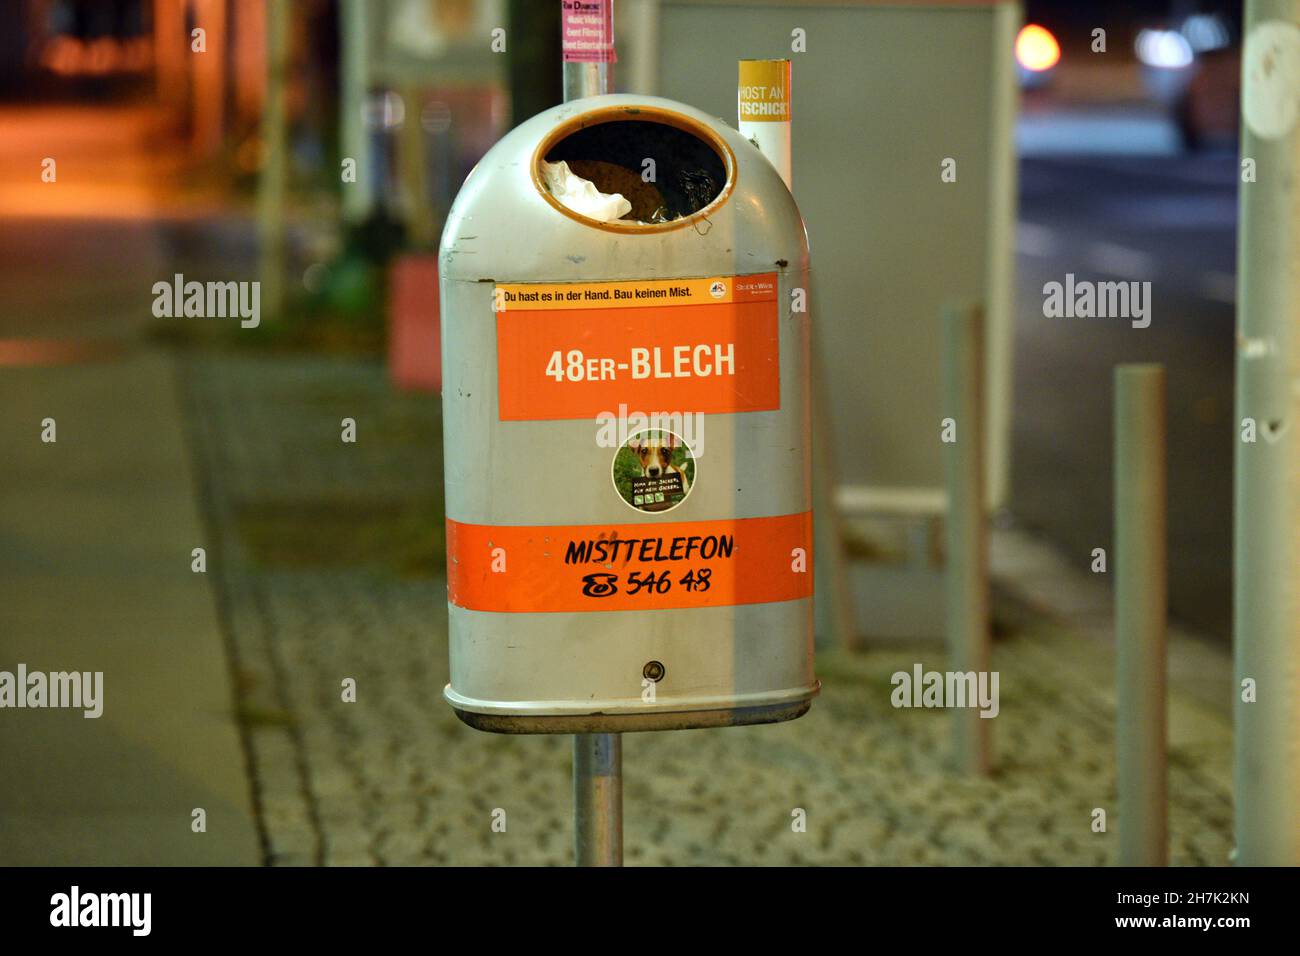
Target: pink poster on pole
x=587, y=31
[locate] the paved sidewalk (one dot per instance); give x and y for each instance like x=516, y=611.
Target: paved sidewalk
x=328, y=562
x=96, y=531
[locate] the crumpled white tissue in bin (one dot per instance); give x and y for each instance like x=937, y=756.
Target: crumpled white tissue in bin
x=581, y=195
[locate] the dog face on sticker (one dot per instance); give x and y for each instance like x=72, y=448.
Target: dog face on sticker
x=654, y=454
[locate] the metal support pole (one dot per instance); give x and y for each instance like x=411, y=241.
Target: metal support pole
x=354, y=137
x=209, y=75
x=1266, y=615
x=412, y=170
x=597, y=758
x=171, y=50
x=271, y=182
x=589, y=79
x=598, y=799
x=1141, y=580
x=834, y=617
x=966, y=581
x=585, y=79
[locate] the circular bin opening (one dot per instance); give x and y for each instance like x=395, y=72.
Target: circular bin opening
x=694, y=169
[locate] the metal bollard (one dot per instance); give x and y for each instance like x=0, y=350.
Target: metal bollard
x=966, y=582
x=1141, y=583
x=271, y=180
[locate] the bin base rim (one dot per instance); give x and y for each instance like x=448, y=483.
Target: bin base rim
x=499, y=723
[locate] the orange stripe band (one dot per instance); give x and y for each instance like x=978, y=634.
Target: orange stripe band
x=629, y=567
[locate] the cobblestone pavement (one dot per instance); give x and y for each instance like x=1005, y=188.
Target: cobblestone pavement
x=328, y=563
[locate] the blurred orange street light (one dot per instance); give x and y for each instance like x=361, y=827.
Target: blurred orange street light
x=1036, y=48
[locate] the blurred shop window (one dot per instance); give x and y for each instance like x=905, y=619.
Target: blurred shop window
x=95, y=38
x=426, y=28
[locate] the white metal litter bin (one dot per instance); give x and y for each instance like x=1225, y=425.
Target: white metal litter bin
x=626, y=425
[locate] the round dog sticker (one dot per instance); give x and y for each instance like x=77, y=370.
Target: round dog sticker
x=654, y=470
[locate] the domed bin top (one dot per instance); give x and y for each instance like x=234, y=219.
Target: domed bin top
x=713, y=202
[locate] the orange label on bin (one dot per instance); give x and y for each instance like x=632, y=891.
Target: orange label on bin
x=578, y=350
x=629, y=567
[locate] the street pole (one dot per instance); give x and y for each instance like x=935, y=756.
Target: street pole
x=765, y=112
x=412, y=171
x=1141, y=582
x=588, y=62
x=966, y=581
x=209, y=89
x=598, y=799
x=271, y=182
x=354, y=137
x=171, y=46
x=1266, y=527
x=597, y=758
x=585, y=79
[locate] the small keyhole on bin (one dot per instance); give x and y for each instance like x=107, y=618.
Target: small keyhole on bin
x=653, y=671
